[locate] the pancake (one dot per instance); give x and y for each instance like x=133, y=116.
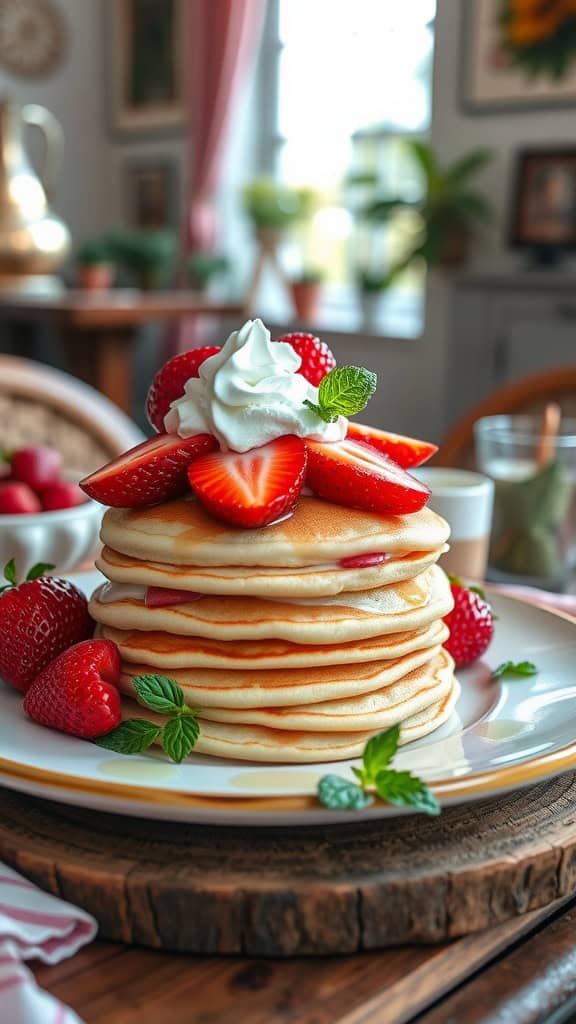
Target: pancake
x=403, y=606
x=257, y=743
x=380, y=709
x=318, y=532
x=316, y=581
x=164, y=652
x=222, y=688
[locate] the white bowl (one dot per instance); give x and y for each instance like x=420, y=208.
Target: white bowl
x=64, y=538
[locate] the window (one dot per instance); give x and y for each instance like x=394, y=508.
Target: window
x=352, y=79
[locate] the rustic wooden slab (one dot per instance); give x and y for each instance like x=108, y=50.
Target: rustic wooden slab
x=309, y=891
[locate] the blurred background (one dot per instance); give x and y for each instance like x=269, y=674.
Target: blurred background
x=399, y=178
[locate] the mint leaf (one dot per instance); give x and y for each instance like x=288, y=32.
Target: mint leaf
x=38, y=570
x=405, y=789
x=515, y=668
x=378, y=753
x=342, y=795
x=10, y=572
x=130, y=737
x=324, y=414
x=344, y=391
x=159, y=693
x=179, y=737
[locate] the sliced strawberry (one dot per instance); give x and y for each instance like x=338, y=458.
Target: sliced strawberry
x=406, y=451
x=164, y=597
x=351, y=473
x=151, y=472
x=317, y=358
x=168, y=384
x=251, y=488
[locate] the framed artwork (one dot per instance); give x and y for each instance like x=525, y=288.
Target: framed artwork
x=146, y=66
x=518, y=55
x=544, y=200
x=152, y=199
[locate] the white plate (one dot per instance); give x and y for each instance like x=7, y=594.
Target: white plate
x=502, y=736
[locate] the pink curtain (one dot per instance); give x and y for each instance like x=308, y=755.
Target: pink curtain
x=224, y=38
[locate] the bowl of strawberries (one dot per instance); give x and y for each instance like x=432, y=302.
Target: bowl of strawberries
x=44, y=516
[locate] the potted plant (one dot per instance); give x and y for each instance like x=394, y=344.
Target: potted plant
x=371, y=286
x=449, y=211
x=149, y=256
x=204, y=267
x=306, y=290
x=95, y=265
x=272, y=207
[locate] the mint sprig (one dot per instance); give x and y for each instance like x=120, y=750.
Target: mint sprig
x=11, y=575
x=345, y=391
x=178, y=736
x=400, y=788
x=515, y=668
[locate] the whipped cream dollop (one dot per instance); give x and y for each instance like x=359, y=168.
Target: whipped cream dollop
x=250, y=393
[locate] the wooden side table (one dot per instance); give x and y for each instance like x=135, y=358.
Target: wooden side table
x=99, y=330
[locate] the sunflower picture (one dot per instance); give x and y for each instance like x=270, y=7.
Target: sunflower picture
x=519, y=53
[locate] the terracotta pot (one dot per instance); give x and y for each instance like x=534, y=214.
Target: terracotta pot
x=306, y=297
x=95, y=277
x=456, y=248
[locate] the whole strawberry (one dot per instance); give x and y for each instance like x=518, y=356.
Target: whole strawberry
x=317, y=359
x=77, y=692
x=39, y=619
x=471, y=624
x=168, y=384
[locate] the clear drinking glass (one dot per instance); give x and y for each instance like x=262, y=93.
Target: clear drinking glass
x=533, y=539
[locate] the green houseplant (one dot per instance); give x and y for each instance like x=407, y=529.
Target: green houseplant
x=449, y=212
x=306, y=292
x=272, y=207
x=95, y=264
x=204, y=267
x=150, y=256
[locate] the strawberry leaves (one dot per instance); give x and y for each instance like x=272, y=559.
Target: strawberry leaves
x=400, y=788
x=178, y=736
x=345, y=391
x=11, y=576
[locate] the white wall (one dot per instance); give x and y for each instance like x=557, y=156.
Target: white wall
x=75, y=94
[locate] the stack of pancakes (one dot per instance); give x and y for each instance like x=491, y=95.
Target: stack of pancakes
x=290, y=656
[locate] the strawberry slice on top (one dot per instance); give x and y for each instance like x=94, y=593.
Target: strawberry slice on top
x=152, y=472
x=354, y=474
x=168, y=384
x=252, y=488
x=408, y=452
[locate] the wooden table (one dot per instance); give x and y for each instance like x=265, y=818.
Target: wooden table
x=523, y=972
x=99, y=329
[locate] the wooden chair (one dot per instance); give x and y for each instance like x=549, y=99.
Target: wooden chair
x=528, y=395
x=41, y=405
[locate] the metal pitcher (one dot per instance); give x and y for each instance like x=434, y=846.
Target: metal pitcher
x=34, y=242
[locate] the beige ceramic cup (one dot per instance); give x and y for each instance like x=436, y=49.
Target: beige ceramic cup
x=465, y=500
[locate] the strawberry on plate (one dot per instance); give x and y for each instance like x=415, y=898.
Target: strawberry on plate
x=408, y=452
x=168, y=384
x=471, y=624
x=251, y=488
x=352, y=473
x=317, y=359
x=152, y=472
x=77, y=693
x=38, y=620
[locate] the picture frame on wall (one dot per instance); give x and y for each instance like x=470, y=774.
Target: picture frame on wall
x=544, y=202
x=146, y=72
x=152, y=194
x=517, y=56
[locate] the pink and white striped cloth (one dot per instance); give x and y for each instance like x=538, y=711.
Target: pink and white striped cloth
x=35, y=926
